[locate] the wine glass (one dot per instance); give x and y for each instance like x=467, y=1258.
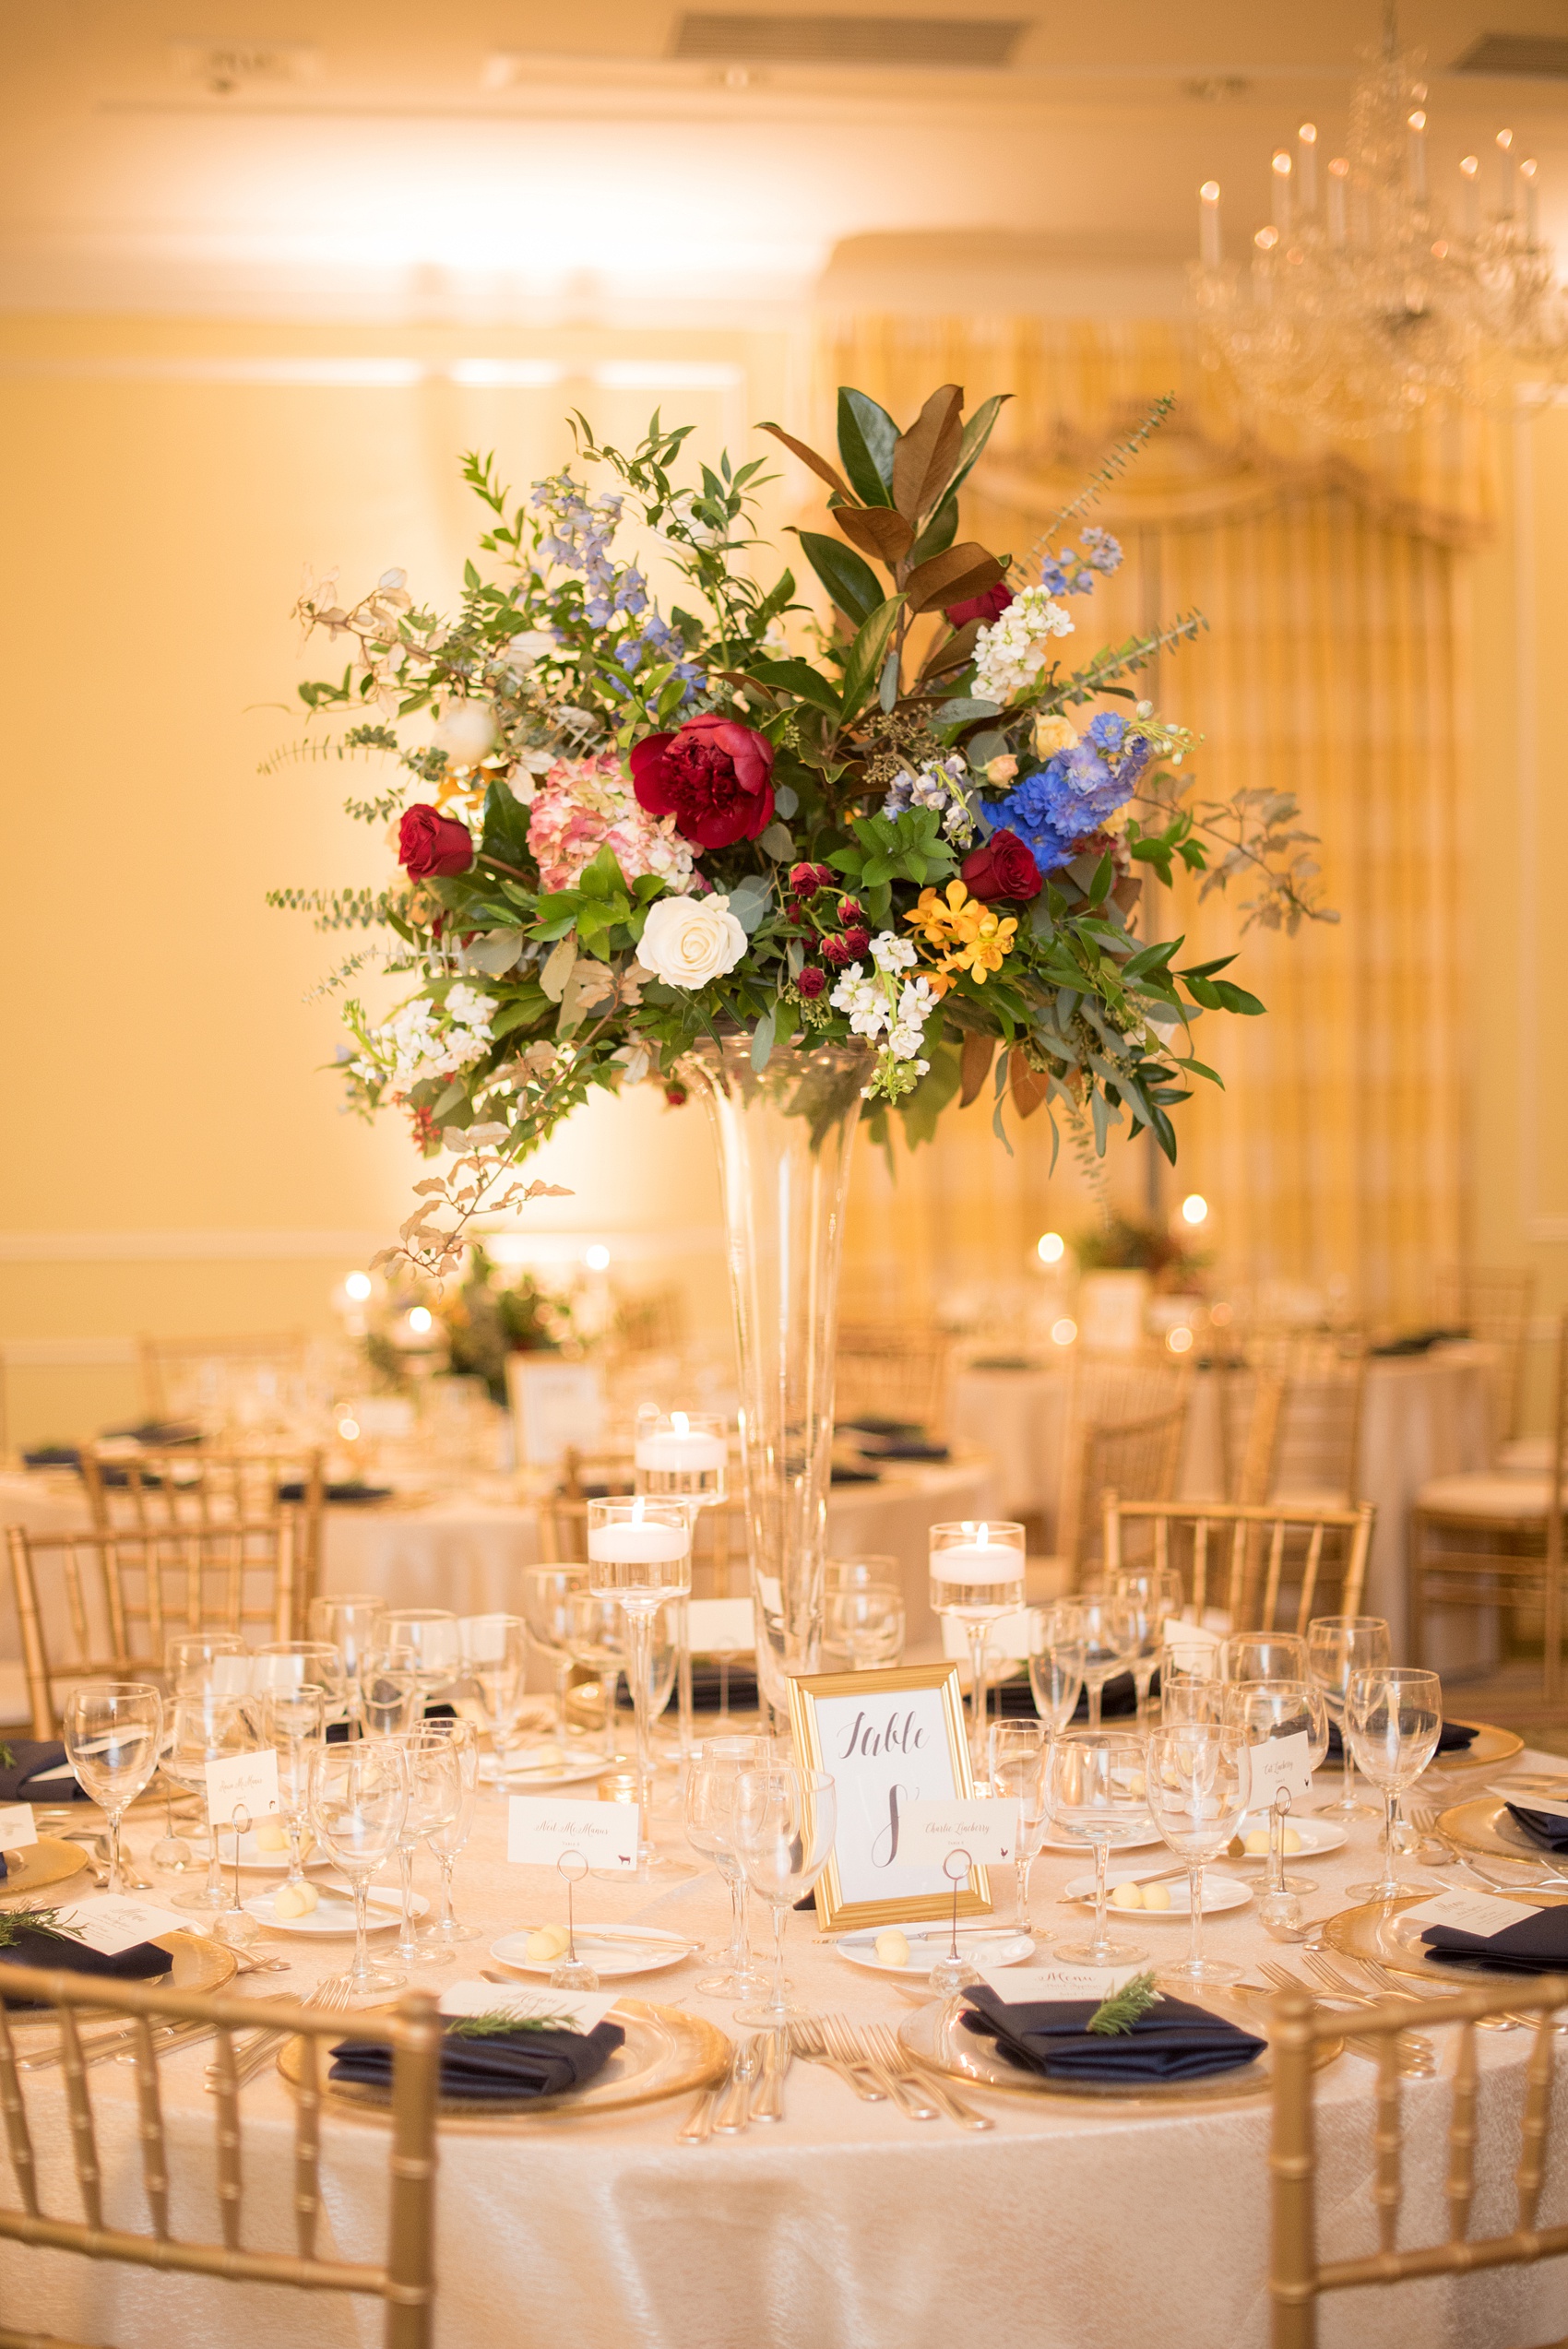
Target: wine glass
x=1263, y=1710
x=1263, y=1655
x=596, y=1639
x=640, y=1555
x=187, y=1655
x=391, y=1699
x=1393, y=1719
x=546, y=1593
x=710, y=1829
x=1190, y=1685
x=353, y=1622
x=785, y=1817
x=446, y=1842
x=205, y=1726
x=1017, y=1759
x=495, y=1658
x=1338, y=1647
x=434, y=1798
x=856, y=1574
x=866, y=1624
x=1199, y=1780
x=425, y=1640
x=113, y=1730
x=1056, y=1662
x=1110, y=1634
x=359, y=1794
x=293, y=1723
x=303, y=1664
x=1158, y=1595
x=1094, y=1792
x=977, y=1576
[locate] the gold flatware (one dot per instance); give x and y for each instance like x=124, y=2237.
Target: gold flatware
x=848, y=2045
x=735, y=2105
x=767, y=2103
x=1415, y=2051
x=807, y=2040
x=878, y=2035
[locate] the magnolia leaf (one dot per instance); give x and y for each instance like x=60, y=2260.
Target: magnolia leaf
x=876, y=530
x=976, y=1065
x=867, y=438
x=557, y=970
x=1028, y=1087
x=819, y=465
x=868, y=653
x=795, y=677
x=926, y=454
x=977, y=432
x=955, y=654
x=963, y=571
x=852, y=583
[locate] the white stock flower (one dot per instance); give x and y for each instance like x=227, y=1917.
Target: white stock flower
x=425, y=1038
x=466, y=732
x=1010, y=654
x=889, y=952
x=688, y=941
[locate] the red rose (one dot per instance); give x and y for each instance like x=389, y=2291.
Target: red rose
x=1001, y=867
x=429, y=843
x=712, y=776
x=836, y=951
x=991, y=606
x=852, y=913
x=858, y=943
x=812, y=981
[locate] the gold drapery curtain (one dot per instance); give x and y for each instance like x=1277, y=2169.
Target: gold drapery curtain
x=1331, y=668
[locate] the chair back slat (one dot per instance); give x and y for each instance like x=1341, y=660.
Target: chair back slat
x=1459, y=2188
x=1254, y=1600
x=18, y=2137
x=84, y=2137
x=1533, y=2129
x=226, y=2123
x=307, y=2150
x=150, y=2128
x=1388, y=2189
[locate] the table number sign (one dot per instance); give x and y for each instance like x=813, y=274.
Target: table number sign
x=556, y=1406
x=890, y=1739
x=540, y=1829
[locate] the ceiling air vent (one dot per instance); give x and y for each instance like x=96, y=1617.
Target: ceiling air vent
x=1525, y=56
x=848, y=41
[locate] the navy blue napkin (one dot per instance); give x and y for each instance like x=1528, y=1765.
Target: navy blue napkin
x=1172, y=2041
x=29, y=1756
x=1541, y=1827
x=340, y=1495
x=1537, y=1944
x=854, y=1475
x=139, y=1963
x=515, y=2063
x=1454, y=1736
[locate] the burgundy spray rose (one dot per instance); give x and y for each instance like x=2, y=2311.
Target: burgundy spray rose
x=1002, y=867
x=712, y=776
x=988, y=607
x=858, y=943
x=812, y=981
x=835, y=951
x=431, y=844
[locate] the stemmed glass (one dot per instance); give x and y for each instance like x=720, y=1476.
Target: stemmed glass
x=287, y=1664
x=710, y=1830
x=434, y=1783
x=1094, y=1792
x=425, y=1640
x=640, y=1555
x=1264, y=1711
x=1110, y=1634
x=1056, y=1662
x=205, y=1727
x=977, y=1576
x=185, y=1657
x=447, y=1840
x=1263, y=1655
x=1338, y=1646
x=1190, y=1685
x=495, y=1659
x=547, y=1592
x=359, y=1794
x=1018, y=1753
x=596, y=1639
x=1393, y=1719
x=113, y=1730
x=866, y=1624
x=785, y=1817
x=1199, y=1781
x=1158, y=1593
x=391, y=1699
x=293, y=1723
x=353, y=1623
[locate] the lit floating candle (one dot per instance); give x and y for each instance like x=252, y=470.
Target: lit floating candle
x=680, y=1449
x=634, y=1542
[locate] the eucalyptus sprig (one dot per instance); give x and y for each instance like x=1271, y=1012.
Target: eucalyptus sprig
x=1114, y=2016
x=503, y=2024
x=15, y=1922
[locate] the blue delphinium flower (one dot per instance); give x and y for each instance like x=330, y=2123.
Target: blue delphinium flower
x=1070, y=573
x=1076, y=792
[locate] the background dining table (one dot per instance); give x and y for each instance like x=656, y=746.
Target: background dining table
x=1068, y=2224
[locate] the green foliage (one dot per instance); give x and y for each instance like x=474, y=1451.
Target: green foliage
x=1114, y=2016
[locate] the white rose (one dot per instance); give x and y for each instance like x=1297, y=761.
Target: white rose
x=466, y=732
x=688, y=941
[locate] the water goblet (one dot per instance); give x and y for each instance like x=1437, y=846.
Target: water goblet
x=785, y=1816
x=292, y=1721
x=359, y=1794
x=1017, y=1759
x=1393, y=1719
x=977, y=1576
x=353, y=1622
x=1199, y=1781
x=866, y=1624
x=113, y=1732
x=205, y=1726
x=434, y=1783
x=1096, y=1792
x=1263, y=1655
x=640, y=1555
x=710, y=1830
x=596, y=1639
x=547, y=1595
x=1158, y=1596
x=1190, y=1685
x=1338, y=1647
x=425, y=1640
x=447, y=1840
x=297, y=1664
x=1110, y=1634
x=1267, y=1711
x=495, y=1660
x=1056, y=1662
x=186, y=1655
x=391, y=1699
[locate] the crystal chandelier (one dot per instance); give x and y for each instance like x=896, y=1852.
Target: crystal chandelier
x=1366, y=299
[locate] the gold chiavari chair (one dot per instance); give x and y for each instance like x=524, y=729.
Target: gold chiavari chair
x=156, y=1489
x=1247, y=1561
x=1491, y=1540
x=1311, y=1387
x=892, y=1370
x=103, y=1605
x=1492, y=1302
x=719, y=1552
x=563, y=1514
x=405, y=2279
x=1138, y=1457
x=1299, y=2277
x=170, y=1365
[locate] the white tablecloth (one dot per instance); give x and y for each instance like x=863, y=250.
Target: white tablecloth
x=1067, y=2227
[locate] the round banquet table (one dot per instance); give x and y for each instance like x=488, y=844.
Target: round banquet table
x=1067, y=2226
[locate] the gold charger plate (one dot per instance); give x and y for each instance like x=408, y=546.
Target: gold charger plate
x=1368, y=1932
x=1492, y=1747
x=964, y=2055
x=199, y=1965
x=1483, y=1826
x=49, y=1861
x=666, y=2053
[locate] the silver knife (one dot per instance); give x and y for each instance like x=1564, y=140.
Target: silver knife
x=734, y=2109
x=767, y=2102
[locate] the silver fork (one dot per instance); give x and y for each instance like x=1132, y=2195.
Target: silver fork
x=1384, y=1980
x=330, y=1997
x=1418, y=2059
x=896, y=2057
x=807, y=2041
x=697, y=2127
x=848, y=2047
x=1338, y=1985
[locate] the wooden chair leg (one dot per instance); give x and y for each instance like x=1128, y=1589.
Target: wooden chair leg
x=1415, y=1567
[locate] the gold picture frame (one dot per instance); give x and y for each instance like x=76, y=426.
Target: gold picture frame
x=936, y=1687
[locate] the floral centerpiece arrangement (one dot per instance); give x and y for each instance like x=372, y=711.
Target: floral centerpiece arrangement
x=919, y=824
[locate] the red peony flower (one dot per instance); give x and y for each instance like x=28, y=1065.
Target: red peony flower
x=858, y=943
x=812, y=981
x=429, y=843
x=712, y=776
x=1002, y=867
x=991, y=606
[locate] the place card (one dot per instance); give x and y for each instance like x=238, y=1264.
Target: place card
x=541, y=1830
x=720, y=1626
x=115, y=1922
x=929, y=1831
x=582, y=2009
x=1281, y=1763
x=1510, y=1794
x=1468, y=1913
x=17, y=1827
x=1019, y=1986
x=236, y=1781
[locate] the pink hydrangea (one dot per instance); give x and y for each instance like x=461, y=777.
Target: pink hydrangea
x=586, y=805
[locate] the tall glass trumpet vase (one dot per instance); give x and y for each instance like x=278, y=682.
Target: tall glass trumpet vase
x=783, y=1132
x=683, y=1456
x=640, y=1555
x=977, y=1576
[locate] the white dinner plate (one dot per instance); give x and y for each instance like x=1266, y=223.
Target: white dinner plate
x=333, y=1912
x=1001, y=1948
x=1220, y=1891
x=634, y=1948
x=574, y=1771
x=1075, y=1848
x=1318, y=1835
x=266, y=1863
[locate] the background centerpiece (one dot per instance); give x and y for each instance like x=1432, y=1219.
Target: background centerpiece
x=660, y=845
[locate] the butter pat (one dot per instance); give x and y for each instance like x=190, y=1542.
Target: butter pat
x=294, y=1900
x=892, y=1949
x=1157, y=1896
x=545, y=1946
x=1290, y=1840
x=1127, y=1896
x=1257, y=1841
x=271, y=1837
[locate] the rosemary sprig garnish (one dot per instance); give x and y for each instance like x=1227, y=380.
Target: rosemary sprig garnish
x=1115, y=2016
x=502, y=2024
x=7, y=1756
x=14, y=1922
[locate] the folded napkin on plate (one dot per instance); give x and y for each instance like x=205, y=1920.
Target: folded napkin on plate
x=854, y=1475
x=1118, y=1696
x=1542, y=1827
x=1454, y=1736
x=902, y=1448
x=512, y=2063
x=28, y=1756
x=1537, y=1944
x=341, y=1495
x=138, y=1963
x=1172, y=2041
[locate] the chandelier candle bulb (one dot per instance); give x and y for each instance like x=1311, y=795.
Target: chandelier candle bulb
x=1505, y=175
x=1339, y=172
x=1210, y=250
x=1418, y=155
x=1470, y=172
x=1282, y=191
x=1528, y=172
x=1306, y=166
